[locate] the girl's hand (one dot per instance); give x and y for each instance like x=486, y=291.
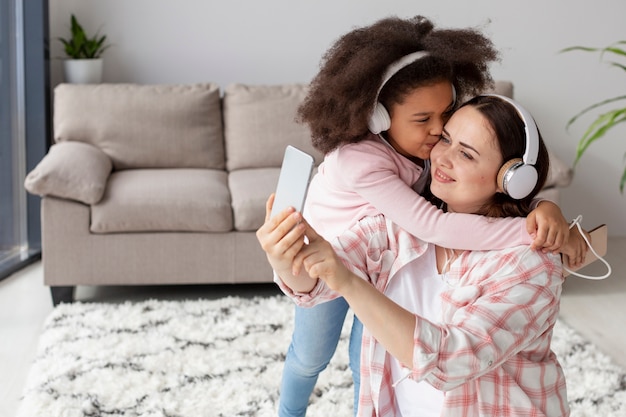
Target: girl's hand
x=548, y=227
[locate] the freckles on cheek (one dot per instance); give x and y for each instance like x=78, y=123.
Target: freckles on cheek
x=486, y=180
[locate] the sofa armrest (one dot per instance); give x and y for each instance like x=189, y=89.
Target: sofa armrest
x=72, y=170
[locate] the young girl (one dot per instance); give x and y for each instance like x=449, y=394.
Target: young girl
x=401, y=78
x=449, y=332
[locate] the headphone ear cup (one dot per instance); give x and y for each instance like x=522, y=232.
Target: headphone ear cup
x=379, y=119
x=504, y=170
x=517, y=179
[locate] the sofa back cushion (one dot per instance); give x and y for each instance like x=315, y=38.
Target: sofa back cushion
x=144, y=126
x=502, y=87
x=259, y=122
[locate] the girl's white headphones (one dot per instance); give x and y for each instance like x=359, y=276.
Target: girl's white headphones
x=379, y=120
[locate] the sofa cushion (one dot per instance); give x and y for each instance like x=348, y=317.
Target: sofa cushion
x=250, y=189
x=168, y=200
x=144, y=126
x=259, y=122
x=72, y=170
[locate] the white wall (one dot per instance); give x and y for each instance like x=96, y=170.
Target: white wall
x=278, y=41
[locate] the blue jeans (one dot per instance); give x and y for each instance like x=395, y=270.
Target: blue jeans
x=315, y=337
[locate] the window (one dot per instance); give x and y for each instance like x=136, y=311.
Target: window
x=24, y=120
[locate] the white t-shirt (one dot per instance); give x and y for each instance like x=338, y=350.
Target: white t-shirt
x=417, y=287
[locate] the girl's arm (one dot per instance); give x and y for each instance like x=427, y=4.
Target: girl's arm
x=376, y=177
x=546, y=223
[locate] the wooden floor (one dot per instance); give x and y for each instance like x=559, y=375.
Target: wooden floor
x=597, y=309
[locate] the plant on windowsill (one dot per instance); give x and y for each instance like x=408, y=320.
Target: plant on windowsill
x=84, y=63
x=608, y=120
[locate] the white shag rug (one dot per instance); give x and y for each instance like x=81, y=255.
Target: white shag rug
x=224, y=358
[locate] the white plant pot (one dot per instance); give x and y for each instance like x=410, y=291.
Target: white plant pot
x=83, y=71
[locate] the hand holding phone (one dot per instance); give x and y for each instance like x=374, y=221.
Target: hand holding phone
x=293, y=181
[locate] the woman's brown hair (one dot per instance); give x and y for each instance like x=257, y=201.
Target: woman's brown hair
x=508, y=128
x=343, y=93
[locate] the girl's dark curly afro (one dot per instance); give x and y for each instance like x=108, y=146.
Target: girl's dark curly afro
x=343, y=93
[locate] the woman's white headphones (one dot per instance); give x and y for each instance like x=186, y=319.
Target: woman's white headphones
x=379, y=120
x=518, y=177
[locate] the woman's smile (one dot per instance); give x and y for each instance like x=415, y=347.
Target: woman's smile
x=440, y=176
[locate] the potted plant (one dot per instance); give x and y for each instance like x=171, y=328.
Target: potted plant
x=611, y=118
x=85, y=63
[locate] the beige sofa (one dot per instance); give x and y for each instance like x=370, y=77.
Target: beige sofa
x=166, y=184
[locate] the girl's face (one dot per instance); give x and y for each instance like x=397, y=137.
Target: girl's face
x=417, y=122
x=465, y=162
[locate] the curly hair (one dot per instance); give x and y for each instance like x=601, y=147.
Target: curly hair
x=343, y=93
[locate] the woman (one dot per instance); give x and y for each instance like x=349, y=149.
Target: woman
x=376, y=109
x=476, y=325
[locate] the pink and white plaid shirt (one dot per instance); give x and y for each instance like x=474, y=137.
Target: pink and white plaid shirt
x=491, y=353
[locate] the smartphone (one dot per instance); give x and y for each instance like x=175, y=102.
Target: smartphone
x=293, y=181
x=599, y=237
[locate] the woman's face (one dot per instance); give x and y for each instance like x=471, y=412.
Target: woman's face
x=465, y=162
x=417, y=122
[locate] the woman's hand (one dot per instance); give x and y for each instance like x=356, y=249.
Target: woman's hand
x=576, y=248
x=320, y=261
x=282, y=237
x=548, y=227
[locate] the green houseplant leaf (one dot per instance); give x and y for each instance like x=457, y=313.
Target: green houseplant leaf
x=623, y=181
x=607, y=120
x=81, y=46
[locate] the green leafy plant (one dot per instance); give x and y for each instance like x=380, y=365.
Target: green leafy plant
x=80, y=46
x=608, y=120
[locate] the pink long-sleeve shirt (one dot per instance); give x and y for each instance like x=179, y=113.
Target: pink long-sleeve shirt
x=370, y=178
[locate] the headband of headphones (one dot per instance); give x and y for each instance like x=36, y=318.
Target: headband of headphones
x=379, y=119
x=397, y=66
x=530, y=129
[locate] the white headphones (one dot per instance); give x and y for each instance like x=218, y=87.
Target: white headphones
x=518, y=177
x=379, y=120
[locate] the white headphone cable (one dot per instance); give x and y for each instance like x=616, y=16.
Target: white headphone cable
x=576, y=222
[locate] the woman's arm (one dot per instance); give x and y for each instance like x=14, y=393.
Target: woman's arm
x=390, y=324
x=507, y=304
x=504, y=304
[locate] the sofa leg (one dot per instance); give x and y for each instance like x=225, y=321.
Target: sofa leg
x=62, y=295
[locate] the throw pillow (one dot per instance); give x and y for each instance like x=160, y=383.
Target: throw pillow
x=72, y=170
